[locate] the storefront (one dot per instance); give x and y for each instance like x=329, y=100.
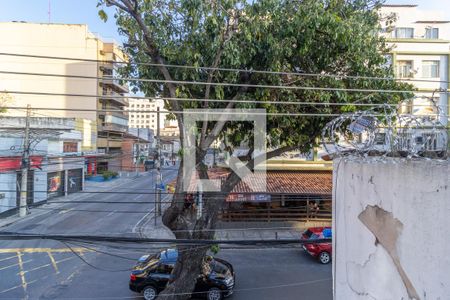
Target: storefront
x=55, y=184
x=74, y=180
x=64, y=176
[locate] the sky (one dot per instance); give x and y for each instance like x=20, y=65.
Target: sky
x=86, y=12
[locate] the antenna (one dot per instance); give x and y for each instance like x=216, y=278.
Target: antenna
x=49, y=11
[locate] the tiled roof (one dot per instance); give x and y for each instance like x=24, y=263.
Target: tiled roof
x=280, y=182
x=290, y=182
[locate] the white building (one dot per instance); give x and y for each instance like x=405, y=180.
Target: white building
x=56, y=161
x=142, y=113
x=420, y=43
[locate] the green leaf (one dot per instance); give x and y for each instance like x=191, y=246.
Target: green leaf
x=103, y=16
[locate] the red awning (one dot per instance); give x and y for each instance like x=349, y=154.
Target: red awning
x=14, y=163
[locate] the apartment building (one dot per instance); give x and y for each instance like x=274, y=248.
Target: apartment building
x=142, y=113
x=420, y=43
x=95, y=103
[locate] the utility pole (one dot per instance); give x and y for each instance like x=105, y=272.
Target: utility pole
x=25, y=164
x=138, y=153
x=199, y=201
x=158, y=165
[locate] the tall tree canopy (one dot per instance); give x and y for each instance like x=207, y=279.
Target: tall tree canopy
x=333, y=39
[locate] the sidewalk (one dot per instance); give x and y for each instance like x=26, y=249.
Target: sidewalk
x=242, y=230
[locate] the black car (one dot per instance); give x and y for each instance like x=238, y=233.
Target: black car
x=152, y=273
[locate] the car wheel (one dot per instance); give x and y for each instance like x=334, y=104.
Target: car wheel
x=149, y=293
x=324, y=257
x=214, y=294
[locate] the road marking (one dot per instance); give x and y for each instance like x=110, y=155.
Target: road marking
x=48, y=265
x=52, y=259
x=3, y=259
x=111, y=213
x=10, y=289
x=22, y=274
x=142, y=219
x=38, y=250
x=65, y=211
x=138, y=196
x=10, y=266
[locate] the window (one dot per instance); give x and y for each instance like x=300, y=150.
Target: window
x=405, y=68
x=148, y=121
x=431, y=33
x=148, y=106
x=403, y=33
x=164, y=269
x=70, y=147
x=430, y=68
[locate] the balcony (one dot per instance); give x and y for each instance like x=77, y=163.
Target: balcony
x=110, y=77
x=116, y=84
x=109, y=95
x=114, y=123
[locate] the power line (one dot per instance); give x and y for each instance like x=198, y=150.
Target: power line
x=180, y=82
x=200, y=100
x=120, y=239
x=190, y=99
x=204, y=111
x=301, y=74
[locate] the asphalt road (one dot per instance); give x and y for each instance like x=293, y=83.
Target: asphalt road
x=49, y=270
x=30, y=269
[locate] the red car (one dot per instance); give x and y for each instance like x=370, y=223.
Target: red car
x=320, y=250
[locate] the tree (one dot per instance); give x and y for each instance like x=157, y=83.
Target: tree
x=330, y=37
x=5, y=100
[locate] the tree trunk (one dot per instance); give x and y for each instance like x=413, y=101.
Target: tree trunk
x=188, y=266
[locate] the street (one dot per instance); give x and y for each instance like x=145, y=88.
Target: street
x=51, y=270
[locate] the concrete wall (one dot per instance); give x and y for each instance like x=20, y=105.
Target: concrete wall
x=8, y=191
x=406, y=205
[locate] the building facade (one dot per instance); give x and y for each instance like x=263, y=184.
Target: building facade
x=96, y=101
x=420, y=42
x=56, y=161
x=142, y=113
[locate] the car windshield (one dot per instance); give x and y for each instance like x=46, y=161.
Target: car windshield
x=210, y=265
x=310, y=235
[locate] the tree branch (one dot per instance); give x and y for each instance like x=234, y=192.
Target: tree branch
x=215, y=64
x=153, y=51
x=223, y=118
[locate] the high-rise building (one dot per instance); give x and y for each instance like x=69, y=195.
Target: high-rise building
x=142, y=113
x=96, y=103
x=420, y=42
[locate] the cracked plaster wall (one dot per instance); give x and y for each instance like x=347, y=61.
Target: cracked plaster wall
x=417, y=193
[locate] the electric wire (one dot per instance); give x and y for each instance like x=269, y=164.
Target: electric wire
x=248, y=101
x=302, y=74
x=202, y=83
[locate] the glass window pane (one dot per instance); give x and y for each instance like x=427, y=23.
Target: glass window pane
x=404, y=69
x=432, y=33
x=404, y=33
x=430, y=69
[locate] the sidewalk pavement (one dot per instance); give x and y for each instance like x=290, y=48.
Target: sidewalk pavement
x=243, y=230
x=89, y=186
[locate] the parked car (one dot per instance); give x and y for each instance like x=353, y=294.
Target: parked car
x=152, y=273
x=320, y=250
